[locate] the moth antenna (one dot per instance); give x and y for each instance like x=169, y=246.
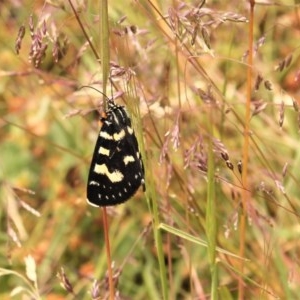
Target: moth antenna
x=91, y=87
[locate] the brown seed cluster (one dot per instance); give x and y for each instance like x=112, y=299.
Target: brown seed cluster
x=19, y=39
x=285, y=63
x=65, y=282
x=40, y=39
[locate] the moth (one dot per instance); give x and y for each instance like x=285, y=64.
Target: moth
x=117, y=169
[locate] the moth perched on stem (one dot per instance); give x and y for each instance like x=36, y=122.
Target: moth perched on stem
x=117, y=169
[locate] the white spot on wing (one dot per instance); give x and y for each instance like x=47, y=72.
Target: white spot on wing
x=92, y=204
x=119, y=136
x=127, y=159
x=130, y=130
x=94, y=183
x=115, y=176
x=103, y=151
x=105, y=135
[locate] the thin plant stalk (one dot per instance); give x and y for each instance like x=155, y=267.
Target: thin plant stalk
x=211, y=220
x=245, y=191
x=159, y=247
x=83, y=30
x=104, y=47
x=153, y=208
x=104, y=60
x=108, y=255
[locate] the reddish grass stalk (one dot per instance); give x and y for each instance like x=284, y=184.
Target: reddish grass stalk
x=83, y=30
x=245, y=191
x=108, y=256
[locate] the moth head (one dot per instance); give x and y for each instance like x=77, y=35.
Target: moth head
x=111, y=105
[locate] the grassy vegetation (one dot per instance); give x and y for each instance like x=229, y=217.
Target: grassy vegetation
x=218, y=124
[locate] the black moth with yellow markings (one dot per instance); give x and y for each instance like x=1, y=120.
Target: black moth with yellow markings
x=116, y=170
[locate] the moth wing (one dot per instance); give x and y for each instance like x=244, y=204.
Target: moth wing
x=116, y=170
